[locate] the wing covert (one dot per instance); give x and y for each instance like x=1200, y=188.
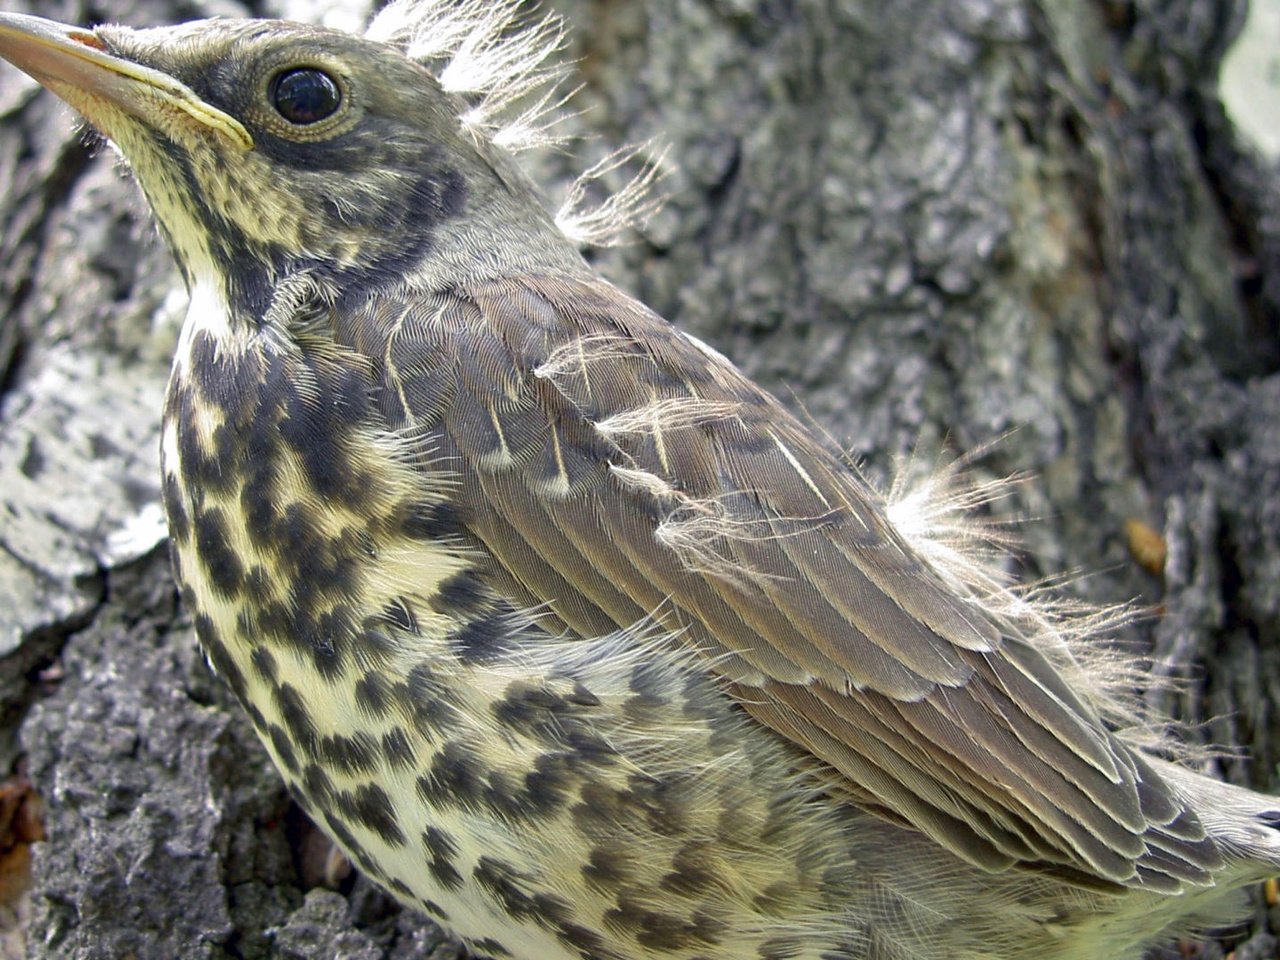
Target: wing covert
x=615, y=469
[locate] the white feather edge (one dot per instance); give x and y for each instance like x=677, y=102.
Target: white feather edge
x=940, y=511
x=502, y=65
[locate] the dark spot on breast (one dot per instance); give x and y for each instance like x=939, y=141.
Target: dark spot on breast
x=327, y=574
x=532, y=709
x=357, y=753
x=316, y=782
x=399, y=614
x=176, y=510
x=582, y=696
x=453, y=780
x=492, y=947
x=434, y=716
x=423, y=683
x=297, y=720
x=275, y=621
x=649, y=680
x=462, y=593
x=664, y=800
x=504, y=793
x=283, y=748
x=608, y=868
x=482, y=640
x=321, y=447
x=301, y=799
x=440, y=853
x=432, y=521
x=657, y=930
x=219, y=559
x=199, y=471
x=372, y=868
x=548, y=784
x=397, y=750
x=434, y=910
x=229, y=448
x=644, y=711
x=598, y=816
x=371, y=806
x=346, y=392
x=374, y=644
x=219, y=656
x=589, y=748
x=175, y=560
x=693, y=872
x=257, y=502
x=264, y=663
x=586, y=941
x=373, y=694
x=533, y=795
x=320, y=568
x=780, y=948
x=704, y=928
x=507, y=884
x=327, y=659
x=774, y=900
x=258, y=587
x=428, y=700
x=648, y=801
x=338, y=830
x=255, y=715
x=324, y=635
x=262, y=436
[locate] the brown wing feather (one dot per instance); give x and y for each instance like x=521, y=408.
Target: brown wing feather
x=615, y=469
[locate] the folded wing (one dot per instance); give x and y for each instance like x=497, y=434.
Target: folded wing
x=617, y=469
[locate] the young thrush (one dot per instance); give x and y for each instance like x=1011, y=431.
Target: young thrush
x=568, y=633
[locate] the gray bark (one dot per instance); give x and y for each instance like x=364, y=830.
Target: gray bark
x=932, y=222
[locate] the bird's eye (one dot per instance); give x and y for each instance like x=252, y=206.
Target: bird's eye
x=305, y=95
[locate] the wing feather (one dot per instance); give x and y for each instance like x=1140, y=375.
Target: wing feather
x=616, y=470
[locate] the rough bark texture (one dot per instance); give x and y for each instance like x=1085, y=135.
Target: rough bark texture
x=932, y=221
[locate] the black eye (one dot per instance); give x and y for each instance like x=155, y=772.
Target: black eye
x=305, y=95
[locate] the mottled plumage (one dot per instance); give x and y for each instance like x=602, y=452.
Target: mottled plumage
x=567, y=632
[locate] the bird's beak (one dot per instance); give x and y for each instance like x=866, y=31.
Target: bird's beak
x=76, y=65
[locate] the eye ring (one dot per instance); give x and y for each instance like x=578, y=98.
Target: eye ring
x=304, y=95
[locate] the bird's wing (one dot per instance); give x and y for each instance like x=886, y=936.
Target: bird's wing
x=617, y=469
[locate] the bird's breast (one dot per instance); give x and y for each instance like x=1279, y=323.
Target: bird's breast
x=321, y=567
x=502, y=777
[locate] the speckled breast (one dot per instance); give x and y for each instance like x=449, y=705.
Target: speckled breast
x=544, y=795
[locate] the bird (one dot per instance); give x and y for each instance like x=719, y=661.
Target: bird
x=567, y=633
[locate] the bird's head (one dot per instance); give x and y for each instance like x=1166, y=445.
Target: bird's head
x=271, y=149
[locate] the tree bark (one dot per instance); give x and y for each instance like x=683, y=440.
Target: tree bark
x=926, y=225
